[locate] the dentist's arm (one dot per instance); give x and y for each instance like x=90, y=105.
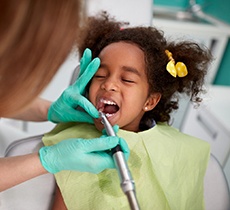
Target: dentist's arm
x=36, y=111
x=73, y=154
x=15, y=170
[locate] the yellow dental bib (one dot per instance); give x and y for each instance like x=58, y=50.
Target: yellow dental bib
x=168, y=168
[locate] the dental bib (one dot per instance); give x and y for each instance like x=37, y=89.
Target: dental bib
x=168, y=168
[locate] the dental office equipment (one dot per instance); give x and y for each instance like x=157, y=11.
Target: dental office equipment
x=127, y=182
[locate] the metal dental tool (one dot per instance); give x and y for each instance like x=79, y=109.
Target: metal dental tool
x=127, y=183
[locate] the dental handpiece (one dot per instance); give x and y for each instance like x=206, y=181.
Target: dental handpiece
x=127, y=182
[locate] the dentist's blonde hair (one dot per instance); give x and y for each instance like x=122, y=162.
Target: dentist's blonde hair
x=35, y=37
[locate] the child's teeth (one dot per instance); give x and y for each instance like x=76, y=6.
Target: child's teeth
x=107, y=102
x=108, y=115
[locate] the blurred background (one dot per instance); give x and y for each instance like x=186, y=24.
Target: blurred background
x=219, y=9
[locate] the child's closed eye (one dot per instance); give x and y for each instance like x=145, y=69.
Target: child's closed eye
x=128, y=80
x=99, y=76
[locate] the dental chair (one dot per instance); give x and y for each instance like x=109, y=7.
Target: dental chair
x=37, y=194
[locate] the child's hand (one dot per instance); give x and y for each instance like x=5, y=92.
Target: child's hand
x=81, y=154
x=64, y=109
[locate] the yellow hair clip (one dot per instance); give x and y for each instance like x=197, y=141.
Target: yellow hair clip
x=179, y=69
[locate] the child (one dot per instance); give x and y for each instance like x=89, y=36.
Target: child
x=137, y=86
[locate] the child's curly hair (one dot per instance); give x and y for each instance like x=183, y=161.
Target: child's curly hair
x=98, y=32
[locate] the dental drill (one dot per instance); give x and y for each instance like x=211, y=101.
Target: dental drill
x=127, y=182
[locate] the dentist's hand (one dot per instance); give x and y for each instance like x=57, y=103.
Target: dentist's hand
x=81, y=154
x=122, y=143
x=64, y=109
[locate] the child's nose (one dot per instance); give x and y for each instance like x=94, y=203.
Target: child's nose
x=109, y=85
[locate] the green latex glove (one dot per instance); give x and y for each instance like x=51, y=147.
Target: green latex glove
x=116, y=129
x=81, y=155
x=64, y=108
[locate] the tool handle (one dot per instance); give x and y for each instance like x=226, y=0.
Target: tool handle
x=126, y=180
x=131, y=196
x=116, y=149
x=127, y=183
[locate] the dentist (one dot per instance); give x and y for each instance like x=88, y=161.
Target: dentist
x=35, y=39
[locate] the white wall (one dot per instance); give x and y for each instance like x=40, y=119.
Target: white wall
x=137, y=12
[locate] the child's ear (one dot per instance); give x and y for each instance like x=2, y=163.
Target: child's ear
x=152, y=101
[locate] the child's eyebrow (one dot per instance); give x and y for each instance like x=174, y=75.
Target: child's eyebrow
x=132, y=70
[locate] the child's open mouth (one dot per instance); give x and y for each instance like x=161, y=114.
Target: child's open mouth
x=108, y=107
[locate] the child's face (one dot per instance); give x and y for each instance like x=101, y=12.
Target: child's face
x=120, y=88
